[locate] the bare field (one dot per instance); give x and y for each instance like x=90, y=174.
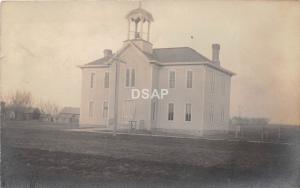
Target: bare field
x=42, y=156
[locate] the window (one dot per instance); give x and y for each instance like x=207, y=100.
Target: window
x=127, y=77
x=189, y=79
x=130, y=78
x=211, y=114
x=105, y=110
x=153, y=110
x=188, y=112
x=172, y=79
x=223, y=86
x=92, y=79
x=106, y=80
x=222, y=114
x=212, y=81
x=171, y=112
x=91, y=109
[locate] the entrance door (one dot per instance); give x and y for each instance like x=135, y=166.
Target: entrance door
x=129, y=111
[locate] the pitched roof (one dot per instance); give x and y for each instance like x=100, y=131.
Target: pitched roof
x=100, y=61
x=166, y=55
x=179, y=54
x=138, y=12
x=70, y=110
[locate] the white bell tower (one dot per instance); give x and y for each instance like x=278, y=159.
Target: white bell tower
x=139, y=22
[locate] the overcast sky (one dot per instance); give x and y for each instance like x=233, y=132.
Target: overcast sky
x=42, y=44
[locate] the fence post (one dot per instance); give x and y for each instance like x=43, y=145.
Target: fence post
x=2, y=116
x=2, y=113
x=237, y=130
x=262, y=133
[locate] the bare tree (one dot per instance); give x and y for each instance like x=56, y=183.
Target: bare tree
x=19, y=99
x=49, y=108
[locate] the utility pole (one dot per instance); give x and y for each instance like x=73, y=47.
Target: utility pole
x=116, y=105
x=116, y=98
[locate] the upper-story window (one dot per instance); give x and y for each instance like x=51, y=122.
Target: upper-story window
x=212, y=81
x=172, y=81
x=127, y=77
x=106, y=80
x=188, y=112
x=130, y=78
x=189, y=79
x=92, y=79
x=171, y=112
x=223, y=86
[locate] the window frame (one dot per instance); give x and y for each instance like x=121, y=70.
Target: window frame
x=130, y=78
x=171, y=115
x=223, y=82
x=106, y=79
x=91, y=109
x=105, y=110
x=127, y=78
x=222, y=114
x=212, y=81
x=153, y=112
x=188, y=112
x=92, y=79
x=211, y=113
x=189, y=82
x=170, y=80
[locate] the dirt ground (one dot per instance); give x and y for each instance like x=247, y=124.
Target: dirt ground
x=52, y=157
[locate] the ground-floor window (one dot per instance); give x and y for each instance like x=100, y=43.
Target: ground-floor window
x=91, y=109
x=222, y=114
x=153, y=110
x=211, y=113
x=188, y=112
x=171, y=112
x=105, y=110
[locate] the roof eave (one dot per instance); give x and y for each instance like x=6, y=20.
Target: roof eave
x=93, y=66
x=220, y=69
x=208, y=63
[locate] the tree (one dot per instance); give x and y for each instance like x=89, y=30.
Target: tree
x=49, y=108
x=19, y=99
x=36, y=114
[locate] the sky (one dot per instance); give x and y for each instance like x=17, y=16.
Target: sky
x=44, y=42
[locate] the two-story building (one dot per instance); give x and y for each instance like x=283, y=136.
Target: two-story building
x=198, y=88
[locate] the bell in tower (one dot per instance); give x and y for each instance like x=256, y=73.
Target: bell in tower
x=139, y=22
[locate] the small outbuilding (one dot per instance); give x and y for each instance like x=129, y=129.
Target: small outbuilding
x=68, y=115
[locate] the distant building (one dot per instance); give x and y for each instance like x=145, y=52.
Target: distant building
x=68, y=115
x=46, y=117
x=21, y=113
x=199, y=87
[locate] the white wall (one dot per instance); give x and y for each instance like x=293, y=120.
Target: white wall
x=219, y=99
x=98, y=94
x=150, y=76
x=143, y=80
x=180, y=95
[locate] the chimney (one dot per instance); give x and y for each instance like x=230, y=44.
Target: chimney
x=215, y=54
x=107, y=53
